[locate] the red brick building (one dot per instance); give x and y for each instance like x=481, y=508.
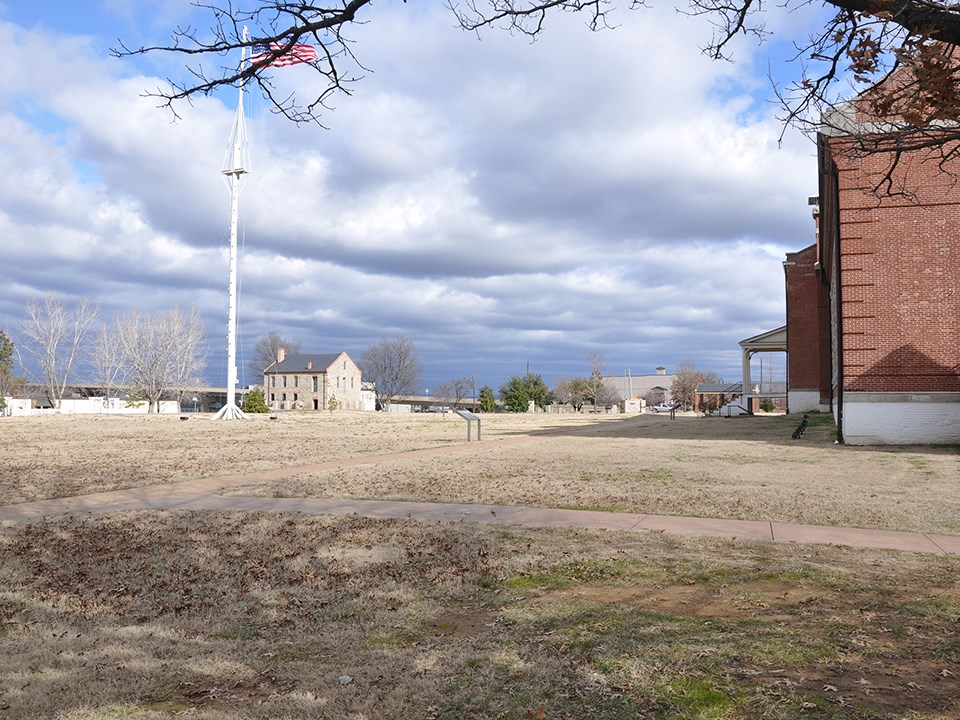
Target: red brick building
x=873, y=326
x=808, y=333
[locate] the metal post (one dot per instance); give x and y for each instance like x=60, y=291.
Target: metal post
x=234, y=167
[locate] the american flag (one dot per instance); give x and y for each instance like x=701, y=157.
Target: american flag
x=297, y=54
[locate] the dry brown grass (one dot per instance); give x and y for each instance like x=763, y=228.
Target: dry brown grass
x=229, y=615
x=224, y=616
x=63, y=455
x=748, y=469
x=705, y=467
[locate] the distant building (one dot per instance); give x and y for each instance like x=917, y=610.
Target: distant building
x=631, y=386
x=756, y=391
x=309, y=381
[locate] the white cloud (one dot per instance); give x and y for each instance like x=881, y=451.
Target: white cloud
x=495, y=201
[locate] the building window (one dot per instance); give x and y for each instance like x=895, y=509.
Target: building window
x=284, y=397
x=296, y=396
x=315, y=382
x=284, y=380
x=273, y=398
x=273, y=381
x=296, y=381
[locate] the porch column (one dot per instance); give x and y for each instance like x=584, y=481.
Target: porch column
x=747, y=383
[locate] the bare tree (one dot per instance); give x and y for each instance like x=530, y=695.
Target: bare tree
x=443, y=396
x=654, y=397
x=267, y=351
x=54, y=337
x=393, y=367
x=106, y=359
x=597, y=390
x=685, y=382
x=452, y=394
x=595, y=380
x=161, y=352
x=571, y=392
x=461, y=388
x=864, y=42
x=189, y=356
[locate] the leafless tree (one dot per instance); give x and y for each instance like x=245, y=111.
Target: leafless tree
x=189, y=356
x=161, y=352
x=443, y=396
x=462, y=388
x=597, y=389
x=106, y=359
x=864, y=42
x=267, y=351
x=452, y=394
x=54, y=336
x=685, y=382
x=393, y=367
x=573, y=392
x=654, y=397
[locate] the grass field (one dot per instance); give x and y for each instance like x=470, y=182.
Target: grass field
x=259, y=615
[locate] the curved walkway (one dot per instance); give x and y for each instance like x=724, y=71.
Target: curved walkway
x=203, y=495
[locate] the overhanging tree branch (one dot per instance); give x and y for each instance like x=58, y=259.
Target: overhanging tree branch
x=860, y=47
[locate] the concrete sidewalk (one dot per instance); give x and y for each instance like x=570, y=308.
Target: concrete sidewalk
x=202, y=495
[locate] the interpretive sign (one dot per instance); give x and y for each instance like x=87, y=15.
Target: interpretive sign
x=470, y=418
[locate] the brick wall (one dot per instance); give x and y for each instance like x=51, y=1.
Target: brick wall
x=899, y=270
x=808, y=342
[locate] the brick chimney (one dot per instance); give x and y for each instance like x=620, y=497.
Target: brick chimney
x=310, y=365
x=281, y=354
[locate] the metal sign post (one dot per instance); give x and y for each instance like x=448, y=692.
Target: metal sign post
x=470, y=418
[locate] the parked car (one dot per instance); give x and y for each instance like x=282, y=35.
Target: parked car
x=663, y=407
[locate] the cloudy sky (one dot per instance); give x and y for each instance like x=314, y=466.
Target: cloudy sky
x=502, y=204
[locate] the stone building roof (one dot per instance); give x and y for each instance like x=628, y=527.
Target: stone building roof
x=300, y=363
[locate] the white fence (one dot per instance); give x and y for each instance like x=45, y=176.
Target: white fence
x=87, y=406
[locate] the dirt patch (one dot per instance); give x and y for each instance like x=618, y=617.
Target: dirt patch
x=746, y=600
x=462, y=625
x=905, y=683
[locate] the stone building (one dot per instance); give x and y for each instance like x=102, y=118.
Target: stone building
x=304, y=381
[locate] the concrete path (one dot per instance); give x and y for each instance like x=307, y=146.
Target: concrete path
x=203, y=495
x=162, y=499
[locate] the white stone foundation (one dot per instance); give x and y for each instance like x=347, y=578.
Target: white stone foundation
x=801, y=401
x=901, y=418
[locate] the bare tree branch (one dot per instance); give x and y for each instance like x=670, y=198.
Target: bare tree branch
x=393, y=367
x=55, y=337
x=280, y=24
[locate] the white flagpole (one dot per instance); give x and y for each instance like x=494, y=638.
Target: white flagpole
x=235, y=165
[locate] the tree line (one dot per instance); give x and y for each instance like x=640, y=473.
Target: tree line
x=165, y=353
x=393, y=369
x=518, y=392
x=152, y=354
